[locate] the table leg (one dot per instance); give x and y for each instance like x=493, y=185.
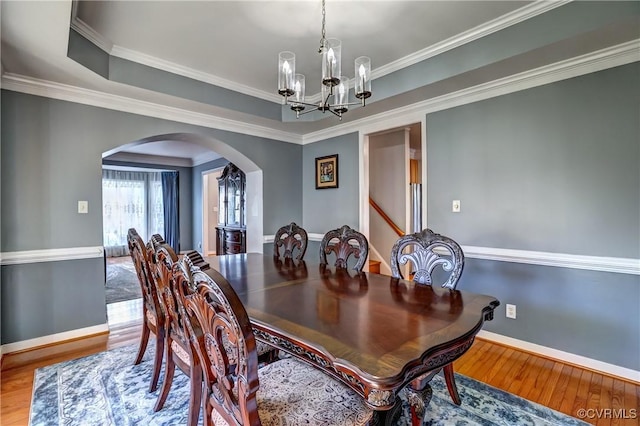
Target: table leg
x=418, y=401
x=389, y=417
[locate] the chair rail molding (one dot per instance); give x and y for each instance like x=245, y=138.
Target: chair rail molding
x=620, y=265
x=50, y=255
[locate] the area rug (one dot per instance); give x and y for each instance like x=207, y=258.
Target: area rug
x=107, y=389
x=121, y=281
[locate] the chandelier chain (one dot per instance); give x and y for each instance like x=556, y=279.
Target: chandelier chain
x=323, y=40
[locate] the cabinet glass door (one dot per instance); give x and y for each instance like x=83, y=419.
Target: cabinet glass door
x=233, y=204
x=222, y=205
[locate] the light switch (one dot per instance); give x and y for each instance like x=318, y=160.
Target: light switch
x=83, y=207
x=455, y=206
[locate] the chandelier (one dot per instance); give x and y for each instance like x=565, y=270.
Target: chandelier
x=334, y=88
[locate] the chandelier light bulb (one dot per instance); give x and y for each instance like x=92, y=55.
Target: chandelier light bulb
x=361, y=71
x=286, y=71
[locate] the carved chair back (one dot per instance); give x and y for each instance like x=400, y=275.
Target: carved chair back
x=153, y=314
x=427, y=251
x=144, y=269
x=180, y=333
x=167, y=261
x=344, y=248
x=229, y=388
x=191, y=262
x=291, y=238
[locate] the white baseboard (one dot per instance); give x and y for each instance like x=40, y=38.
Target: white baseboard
x=53, y=338
x=579, y=360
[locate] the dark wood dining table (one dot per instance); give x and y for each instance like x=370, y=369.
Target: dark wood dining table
x=373, y=332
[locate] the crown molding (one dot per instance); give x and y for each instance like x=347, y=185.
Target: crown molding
x=614, y=56
x=161, y=64
x=596, y=61
x=64, y=92
x=507, y=20
x=103, y=43
x=79, y=26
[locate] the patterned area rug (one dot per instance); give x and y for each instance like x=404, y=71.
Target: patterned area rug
x=122, y=281
x=107, y=389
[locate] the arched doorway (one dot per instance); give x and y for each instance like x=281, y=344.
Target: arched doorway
x=124, y=312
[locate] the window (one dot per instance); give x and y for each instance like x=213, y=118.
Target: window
x=131, y=199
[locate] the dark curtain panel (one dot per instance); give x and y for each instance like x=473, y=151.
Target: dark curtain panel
x=170, y=201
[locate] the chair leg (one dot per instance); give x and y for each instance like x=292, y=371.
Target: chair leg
x=195, y=396
x=170, y=368
x=144, y=339
x=451, y=383
x=418, y=401
x=157, y=361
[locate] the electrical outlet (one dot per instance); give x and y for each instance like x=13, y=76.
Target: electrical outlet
x=455, y=206
x=511, y=311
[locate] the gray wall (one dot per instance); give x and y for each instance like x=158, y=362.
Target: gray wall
x=330, y=208
x=40, y=299
x=51, y=158
x=185, y=195
x=554, y=169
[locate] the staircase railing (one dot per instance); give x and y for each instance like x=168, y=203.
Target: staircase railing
x=386, y=218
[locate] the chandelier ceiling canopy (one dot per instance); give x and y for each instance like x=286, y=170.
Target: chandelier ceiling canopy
x=334, y=86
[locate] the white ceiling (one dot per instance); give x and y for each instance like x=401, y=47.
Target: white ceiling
x=235, y=44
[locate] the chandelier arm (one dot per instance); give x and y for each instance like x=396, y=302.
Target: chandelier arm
x=307, y=111
x=339, y=115
x=302, y=103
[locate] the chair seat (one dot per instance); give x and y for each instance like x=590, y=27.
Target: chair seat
x=294, y=393
x=263, y=348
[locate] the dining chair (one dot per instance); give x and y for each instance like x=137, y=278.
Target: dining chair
x=427, y=252
x=284, y=392
x=153, y=316
x=349, y=242
x=292, y=238
x=179, y=347
x=193, y=261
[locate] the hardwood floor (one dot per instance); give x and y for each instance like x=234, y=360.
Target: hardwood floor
x=557, y=385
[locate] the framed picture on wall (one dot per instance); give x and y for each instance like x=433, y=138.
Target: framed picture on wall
x=327, y=172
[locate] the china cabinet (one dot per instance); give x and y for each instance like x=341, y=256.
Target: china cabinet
x=231, y=230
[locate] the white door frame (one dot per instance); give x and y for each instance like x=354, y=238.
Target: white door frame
x=206, y=214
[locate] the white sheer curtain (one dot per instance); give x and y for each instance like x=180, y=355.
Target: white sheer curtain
x=130, y=199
